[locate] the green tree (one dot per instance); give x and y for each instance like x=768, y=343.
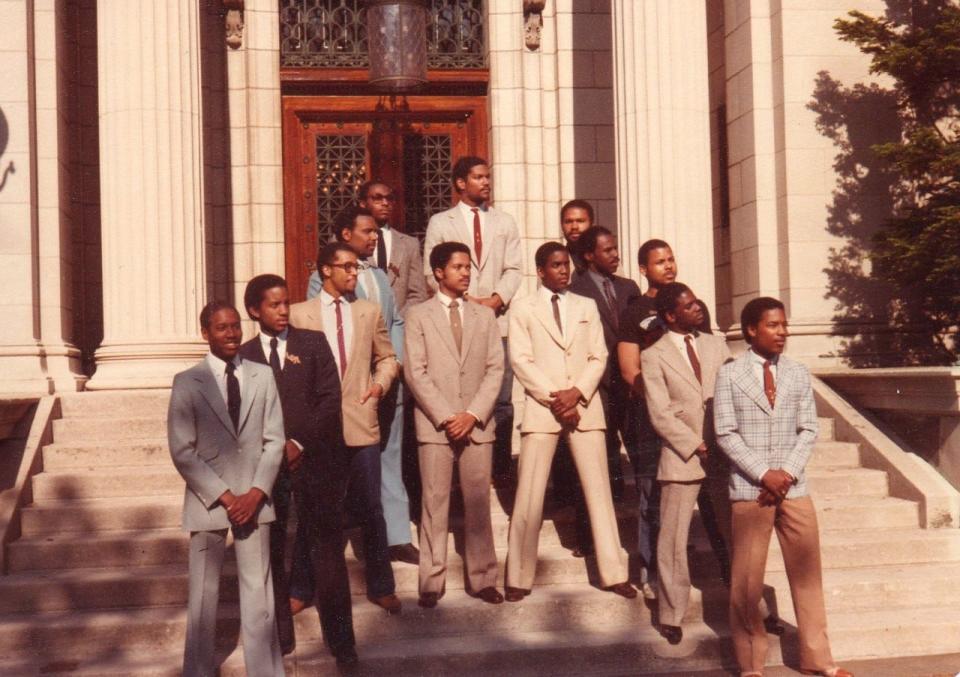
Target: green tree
x=916, y=251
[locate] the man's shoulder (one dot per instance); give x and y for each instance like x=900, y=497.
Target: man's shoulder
x=404, y=240
x=197, y=371
x=249, y=348
x=735, y=365
x=581, y=284
x=305, y=305
x=417, y=311
x=499, y=214
x=626, y=283
x=442, y=217
x=256, y=367
x=308, y=337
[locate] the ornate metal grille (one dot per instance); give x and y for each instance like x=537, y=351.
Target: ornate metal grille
x=333, y=34
x=341, y=169
x=426, y=171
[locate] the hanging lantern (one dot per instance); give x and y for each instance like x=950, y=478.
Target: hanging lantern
x=397, y=44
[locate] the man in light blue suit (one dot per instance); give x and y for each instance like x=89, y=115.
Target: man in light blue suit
x=357, y=228
x=226, y=436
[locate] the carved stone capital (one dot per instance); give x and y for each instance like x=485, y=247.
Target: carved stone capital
x=233, y=20
x=533, y=22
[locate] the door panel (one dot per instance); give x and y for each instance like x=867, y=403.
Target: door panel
x=333, y=144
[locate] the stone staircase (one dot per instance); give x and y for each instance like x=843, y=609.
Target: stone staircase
x=97, y=583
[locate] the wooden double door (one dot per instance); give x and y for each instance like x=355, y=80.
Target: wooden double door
x=332, y=145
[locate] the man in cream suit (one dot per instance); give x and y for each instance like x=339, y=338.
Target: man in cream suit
x=679, y=373
x=559, y=356
x=766, y=422
x=367, y=365
x=225, y=429
x=454, y=369
x=496, y=256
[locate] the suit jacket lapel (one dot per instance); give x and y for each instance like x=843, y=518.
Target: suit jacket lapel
x=470, y=311
x=248, y=393
x=673, y=359
x=440, y=318
x=544, y=314
x=314, y=313
x=589, y=288
x=489, y=235
x=211, y=393
x=358, y=317
x=746, y=380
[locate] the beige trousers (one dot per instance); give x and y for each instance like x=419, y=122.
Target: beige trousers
x=436, y=474
x=796, y=523
x=588, y=449
x=677, y=500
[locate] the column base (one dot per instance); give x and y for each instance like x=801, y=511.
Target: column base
x=36, y=369
x=144, y=365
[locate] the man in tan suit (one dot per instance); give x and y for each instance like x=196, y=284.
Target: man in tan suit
x=454, y=369
x=367, y=365
x=496, y=256
x=559, y=356
x=679, y=373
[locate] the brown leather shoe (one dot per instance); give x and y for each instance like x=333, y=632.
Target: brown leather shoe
x=406, y=553
x=515, y=594
x=428, y=600
x=489, y=595
x=296, y=606
x=623, y=589
x=389, y=603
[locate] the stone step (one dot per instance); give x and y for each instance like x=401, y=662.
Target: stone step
x=830, y=482
x=105, y=454
x=76, y=483
x=826, y=429
x=101, y=514
x=835, y=455
x=94, y=430
x=116, y=404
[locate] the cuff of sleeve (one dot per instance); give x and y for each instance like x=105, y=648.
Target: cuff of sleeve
x=299, y=446
x=479, y=422
x=763, y=471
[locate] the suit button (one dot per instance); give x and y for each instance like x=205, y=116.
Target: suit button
x=569, y=353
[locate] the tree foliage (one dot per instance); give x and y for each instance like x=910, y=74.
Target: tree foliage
x=917, y=249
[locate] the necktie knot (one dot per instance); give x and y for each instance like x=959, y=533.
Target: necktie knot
x=273, y=343
x=231, y=368
x=454, y=305
x=555, y=298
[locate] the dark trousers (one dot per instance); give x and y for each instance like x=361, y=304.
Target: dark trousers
x=318, y=554
x=615, y=403
x=643, y=449
x=503, y=415
x=363, y=506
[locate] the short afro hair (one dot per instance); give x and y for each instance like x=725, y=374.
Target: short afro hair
x=211, y=309
x=545, y=251
x=667, y=298
x=347, y=220
x=643, y=254
x=753, y=312
x=577, y=204
x=441, y=254
x=328, y=253
x=588, y=240
x=462, y=167
x=257, y=287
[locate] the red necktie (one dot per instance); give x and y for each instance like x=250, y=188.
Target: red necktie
x=340, y=342
x=694, y=360
x=477, y=238
x=769, y=385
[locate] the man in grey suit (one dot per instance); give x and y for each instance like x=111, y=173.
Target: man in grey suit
x=226, y=436
x=496, y=257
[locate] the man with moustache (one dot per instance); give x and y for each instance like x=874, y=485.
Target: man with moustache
x=496, y=254
x=766, y=423
x=315, y=465
x=454, y=370
x=612, y=294
x=225, y=429
x=559, y=357
x=576, y=217
x=679, y=372
x=367, y=366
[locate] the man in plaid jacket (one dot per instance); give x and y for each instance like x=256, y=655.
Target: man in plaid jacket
x=766, y=422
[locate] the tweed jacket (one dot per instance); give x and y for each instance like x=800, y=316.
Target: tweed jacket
x=405, y=270
x=445, y=381
x=499, y=268
x=679, y=405
x=370, y=359
x=757, y=437
x=544, y=361
x=211, y=455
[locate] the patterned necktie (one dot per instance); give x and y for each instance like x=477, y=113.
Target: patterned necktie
x=275, y=360
x=611, y=302
x=477, y=237
x=381, y=253
x=555, y=300
x=455, y=325
x=341, y=344
x=769, y=385
x=694, y=360
x=233, y=395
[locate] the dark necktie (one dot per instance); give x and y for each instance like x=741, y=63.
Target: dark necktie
x=611, y=302
x=555, y=300
x=477, y=237
x=769, y=385
x=275, y=360
x=233, y=395
x=694, y=360
x=341, y=345
x=381, y=253
x=455, y=325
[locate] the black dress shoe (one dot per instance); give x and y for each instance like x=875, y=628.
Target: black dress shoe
x=406, y=553
x=428, y=600
x=672, y=633
x=623, y=589
x=490, y=595
x=515, y=594
x=347, y=659
x=583, y=551
x=773, y=626
x=287, y=645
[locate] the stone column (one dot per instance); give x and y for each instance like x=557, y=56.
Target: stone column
x=662, y=127
x=151, y=170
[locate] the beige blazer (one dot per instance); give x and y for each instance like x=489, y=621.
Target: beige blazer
x=544, y=361
x=370, y=349
x=680, y=407
x=404, y=270
x=445, y=381
x=499, y=268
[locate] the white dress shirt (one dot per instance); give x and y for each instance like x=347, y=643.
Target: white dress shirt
x=547, y=297
x=386, y=234
x=219, y=369
x=445, y=301
x=281, y=346
x=328, y=315
x=680, y=341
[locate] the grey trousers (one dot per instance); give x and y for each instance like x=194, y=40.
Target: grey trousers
x=258, y=629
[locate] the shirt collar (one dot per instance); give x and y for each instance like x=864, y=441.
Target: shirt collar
x=218, y=366
x=760, y=359
x=327, y=300
x=469, y=210
x=548, y=295
x=281, y=337
x=599, y=278
x=446, y=300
